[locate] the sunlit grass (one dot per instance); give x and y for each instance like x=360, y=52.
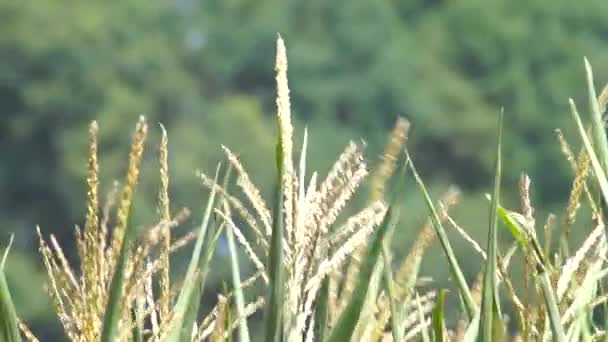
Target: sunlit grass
x=327, y=277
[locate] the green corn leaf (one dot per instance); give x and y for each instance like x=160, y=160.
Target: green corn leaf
x=274, y=319
x=194, y=276
x=605, y=308
x=114, y=306
x=321, y=321
x=137, y=326
x=236, y=283
x=6, y=250
x=236, y=276
x=455, y=269
x=193, y=307
x=599, y=131
x=554, y=317
x=514, y=221
x=9, y=329
x=201, y=276
x=585, y=327
x=489, y=290
x=322, y=311
x=439, y=319
x=598, y=169
x=390, y=289
x=580, y=329
x=595, y=163
x=346, y=322
x=516, y=229
x=373, y=288
x=598, y=127
x=302, y=165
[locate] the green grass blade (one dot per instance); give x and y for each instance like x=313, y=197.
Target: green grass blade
x=369, y=308
x=515, y=228
x=137, y=326
x=192, y=312
x=8, y=315
x=598, y=168
x=345, y=324
x=554, y=317
x=599, y=131
x=604, y=307
x=580, y=329
x=110, y=331
x=6, y=250
x=390, y=289
x=208, y=251
x=595, y=163
x=193, y=278
x=302, y=166
x=274, y=319
x=395, y=196
x=322, y=311
x=455, y=269
x=516, y=224
x=322, y=308
x=438, y=318
x=236, y=283
x=9, y=329
x=489, y=290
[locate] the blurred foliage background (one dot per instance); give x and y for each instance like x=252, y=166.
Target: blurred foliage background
x=205, y=70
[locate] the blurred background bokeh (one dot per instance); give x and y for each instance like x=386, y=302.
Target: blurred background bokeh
x=205, y=70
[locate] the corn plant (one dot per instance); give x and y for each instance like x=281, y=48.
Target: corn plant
x=326, y=279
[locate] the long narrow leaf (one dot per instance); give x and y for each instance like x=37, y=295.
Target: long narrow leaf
x=514, y=221
x=390, y=287
x=274, y=325
x=438, y=318
x=455, y=269
x=599, y=131
x=516, y=229
x=322, y=311
x=236, y=283
x=192, y=312
x=201, y=276
x=345, y=325
x=192, y=278
x=9, y=330
x=554, y=317
x=137, y=326
x=489, y=290
x=302, y=171
x=236, y=273
x=110, y=331
x=595, y=163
